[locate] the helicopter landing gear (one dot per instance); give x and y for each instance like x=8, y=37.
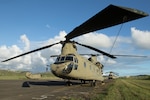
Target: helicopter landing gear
x=82, y=82
x=103, y=83
x=68, y=83
x=93, y=83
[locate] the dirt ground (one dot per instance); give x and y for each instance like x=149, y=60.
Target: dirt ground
x=49, y=90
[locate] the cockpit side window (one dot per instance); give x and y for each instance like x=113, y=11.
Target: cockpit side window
x=57, y=59
x=76, y=60
x=62, y=59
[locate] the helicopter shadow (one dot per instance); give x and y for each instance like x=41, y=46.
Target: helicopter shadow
x=46, y=83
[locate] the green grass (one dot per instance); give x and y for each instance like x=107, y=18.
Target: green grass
x=127, y=89
x=9, y=75
x=16, y=75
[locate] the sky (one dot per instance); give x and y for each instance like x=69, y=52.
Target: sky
x=29, y=24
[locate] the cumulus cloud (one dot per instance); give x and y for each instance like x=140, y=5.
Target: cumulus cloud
x=33, y=62
x=26, y=41
x=38, y=61
x=141, y=38
x=9, y=51
x=95, y=39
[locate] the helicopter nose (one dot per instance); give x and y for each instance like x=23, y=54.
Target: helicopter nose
x=62, y=69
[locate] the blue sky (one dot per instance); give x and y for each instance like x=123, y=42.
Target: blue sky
x=29, y=24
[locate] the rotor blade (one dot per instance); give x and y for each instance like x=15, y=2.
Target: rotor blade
x=110, y=16
x=131, y=55
x=31, y=52
x=118, y=55
x=102, y=52
x=91, y=54
x=54, y=55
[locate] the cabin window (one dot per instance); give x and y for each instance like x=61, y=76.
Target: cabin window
x=84, y=64
x=75, y=67
x=76, y=60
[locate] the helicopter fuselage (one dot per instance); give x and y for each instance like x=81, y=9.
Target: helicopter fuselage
x=71, y=65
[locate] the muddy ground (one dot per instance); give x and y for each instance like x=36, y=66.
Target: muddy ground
x=49, y=90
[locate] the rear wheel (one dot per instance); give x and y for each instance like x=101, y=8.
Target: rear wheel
x=82, y=82
x=93, y=83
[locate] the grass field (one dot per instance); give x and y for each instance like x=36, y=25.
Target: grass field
x=15, y=75
x=127, y=89
x=133, y=88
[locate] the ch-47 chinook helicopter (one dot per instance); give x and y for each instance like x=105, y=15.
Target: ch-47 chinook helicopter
x=71, y=65
x=112, y=75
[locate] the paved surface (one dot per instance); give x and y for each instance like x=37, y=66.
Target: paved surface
x=39, y=90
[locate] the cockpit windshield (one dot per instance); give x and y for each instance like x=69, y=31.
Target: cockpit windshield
x=69, y=58
x=64, y=58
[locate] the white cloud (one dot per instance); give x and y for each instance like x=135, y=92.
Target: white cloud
x=141, y=38
x=96, y=40
x=121, y=39
x=111, y=61
x=37, y=61
x=9, y=51
x=34, y=61
x=26, y=41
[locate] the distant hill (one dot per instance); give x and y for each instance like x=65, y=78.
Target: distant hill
x=144, y=77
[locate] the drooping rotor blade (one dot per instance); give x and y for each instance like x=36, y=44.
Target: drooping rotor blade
x=110, y=16
x=54, y=56
x=118, y=55
x=117, y=74
x=131, y=56
x=102, y=52
x=31, y=51
x=91, y=54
